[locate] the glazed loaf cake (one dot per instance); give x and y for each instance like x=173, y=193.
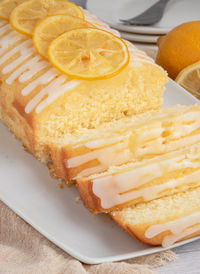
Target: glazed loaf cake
x=39, y=104
x=61, y=120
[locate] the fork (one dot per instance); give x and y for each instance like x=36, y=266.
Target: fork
x=149, y=17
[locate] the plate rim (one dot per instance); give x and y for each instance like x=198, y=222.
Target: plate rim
x=139, y=37
x=142, y=30
x=94, y=260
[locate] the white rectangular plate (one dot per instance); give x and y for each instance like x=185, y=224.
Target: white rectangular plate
x=26, y=187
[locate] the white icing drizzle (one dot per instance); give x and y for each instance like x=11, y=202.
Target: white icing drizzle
x=19, y=48
x=13, y=65
x=179, y=228
x=102, y=142
x=91, y=170
x=110, y=153
x=172, y=239
x=151, y=131
x=55, y=89
x=42, y=80
x=32, y=67
x=120, y=188
x=4, y=29
x=113, y=198
x=147, y=140
x=181, y=126
x=8, y=40
x=188, y=122
x=118, y=158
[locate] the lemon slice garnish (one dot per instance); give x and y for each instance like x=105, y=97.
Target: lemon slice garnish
x=189, y=78
x=51, y=27
x=88, y=54
x=6, y=6
x=25, y=16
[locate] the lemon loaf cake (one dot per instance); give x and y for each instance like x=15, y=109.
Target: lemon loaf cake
x=128, y=139
x=40, y=103
x=164, y=221
x=86, y=101
x=142, y=181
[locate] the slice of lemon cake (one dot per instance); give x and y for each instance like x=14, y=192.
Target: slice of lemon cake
x=129, y=139
x=142, y=181
x=164, y=221
x=40, y=103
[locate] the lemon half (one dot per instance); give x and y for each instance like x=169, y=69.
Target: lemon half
x=189, y=78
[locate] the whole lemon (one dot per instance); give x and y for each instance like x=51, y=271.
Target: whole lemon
x=179, y=48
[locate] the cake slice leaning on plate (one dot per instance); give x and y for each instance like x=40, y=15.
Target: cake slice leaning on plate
x=92, y=151
x=141, y=181
x=164, y=221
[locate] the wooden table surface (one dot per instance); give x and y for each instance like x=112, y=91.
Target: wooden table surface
x=188, y=256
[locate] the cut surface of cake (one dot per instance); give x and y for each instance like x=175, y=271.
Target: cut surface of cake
x=130, y=139
x=39, y=103
x=164, y=221
x=142, y=181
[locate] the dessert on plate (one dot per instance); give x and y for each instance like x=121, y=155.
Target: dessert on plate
x=87, y=103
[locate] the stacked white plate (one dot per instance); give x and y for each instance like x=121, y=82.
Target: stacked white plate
x=176, y=12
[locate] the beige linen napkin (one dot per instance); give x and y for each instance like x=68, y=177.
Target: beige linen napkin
x=23, y=250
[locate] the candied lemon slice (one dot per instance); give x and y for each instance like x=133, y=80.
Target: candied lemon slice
x=189, y=78
x=25, y=16
x=51, y=27
x=88, y=54
x=6, y=6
